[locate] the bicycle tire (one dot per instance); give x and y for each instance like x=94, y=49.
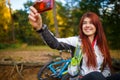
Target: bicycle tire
x=45, y=73
x=66, y=77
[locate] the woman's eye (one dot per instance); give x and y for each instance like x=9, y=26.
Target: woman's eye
x=84, y=22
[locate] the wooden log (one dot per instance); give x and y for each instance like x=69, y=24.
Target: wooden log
x=12, y=63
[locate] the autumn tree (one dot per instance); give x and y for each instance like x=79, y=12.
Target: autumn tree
x=4, y=22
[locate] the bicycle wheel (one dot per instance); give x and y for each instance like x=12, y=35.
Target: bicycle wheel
x=66, y=77
x=45, y=73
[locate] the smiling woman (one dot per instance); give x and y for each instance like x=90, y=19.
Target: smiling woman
x=96, y=61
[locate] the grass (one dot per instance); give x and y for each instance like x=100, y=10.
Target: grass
x=25, y=47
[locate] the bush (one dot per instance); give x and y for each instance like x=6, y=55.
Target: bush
x=8, y=45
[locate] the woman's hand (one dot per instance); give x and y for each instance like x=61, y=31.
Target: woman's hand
x=35, y=18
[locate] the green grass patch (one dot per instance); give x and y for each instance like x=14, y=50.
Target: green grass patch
x=25, y=47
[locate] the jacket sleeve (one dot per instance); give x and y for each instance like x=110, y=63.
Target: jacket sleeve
x=54, y=43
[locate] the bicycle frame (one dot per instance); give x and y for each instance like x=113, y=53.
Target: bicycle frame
x=60, y=70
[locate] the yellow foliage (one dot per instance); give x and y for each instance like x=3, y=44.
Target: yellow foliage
x=7, y=14
x=50, y=17
x=59, y=18
x=5, y=27
x=4, y=15
x=2, y=2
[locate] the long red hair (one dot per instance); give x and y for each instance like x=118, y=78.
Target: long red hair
x=101, y=41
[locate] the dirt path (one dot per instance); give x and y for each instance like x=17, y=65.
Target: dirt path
x=28, y=73
x=28, y=55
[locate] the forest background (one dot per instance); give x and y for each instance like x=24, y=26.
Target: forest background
x=20, y=43
x=62, y=20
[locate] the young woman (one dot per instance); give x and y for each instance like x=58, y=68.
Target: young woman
x=96, y=62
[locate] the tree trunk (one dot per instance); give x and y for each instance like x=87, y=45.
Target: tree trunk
x=55, y=20
x=12, y=23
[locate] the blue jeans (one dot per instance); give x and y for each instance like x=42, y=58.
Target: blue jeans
x=99, y=76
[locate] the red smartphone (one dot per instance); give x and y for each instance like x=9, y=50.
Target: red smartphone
x=43, y=5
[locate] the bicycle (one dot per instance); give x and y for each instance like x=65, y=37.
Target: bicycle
x=56, y=69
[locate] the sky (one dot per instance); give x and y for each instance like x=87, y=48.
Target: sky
x=18, y=4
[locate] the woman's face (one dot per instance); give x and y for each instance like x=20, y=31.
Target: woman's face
x=88, y=27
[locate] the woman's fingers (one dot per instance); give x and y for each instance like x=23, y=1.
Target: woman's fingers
x=32, y=14
x=33, y=10
x=31, y=17
x=35, y=18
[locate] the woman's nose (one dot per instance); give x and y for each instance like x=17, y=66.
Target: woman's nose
x=87, y=25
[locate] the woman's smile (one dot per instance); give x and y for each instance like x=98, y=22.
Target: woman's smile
x=88, y=27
